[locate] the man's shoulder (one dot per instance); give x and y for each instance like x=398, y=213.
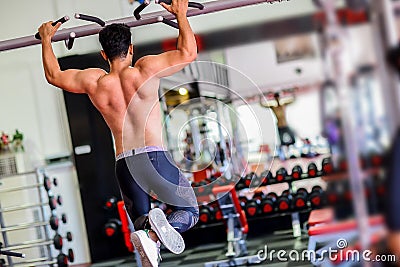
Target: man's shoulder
x=95, y=71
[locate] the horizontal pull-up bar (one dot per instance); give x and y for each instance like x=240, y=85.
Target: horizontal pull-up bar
x=151, y=18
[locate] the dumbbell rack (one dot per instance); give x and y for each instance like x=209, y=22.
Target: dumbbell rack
x=295, y=214
x=41, y=225
x=288, y=179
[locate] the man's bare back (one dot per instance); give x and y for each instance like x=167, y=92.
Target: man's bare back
x=127, y=97
x=129, y=103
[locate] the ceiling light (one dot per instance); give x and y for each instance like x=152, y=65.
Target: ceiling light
x=183, y=91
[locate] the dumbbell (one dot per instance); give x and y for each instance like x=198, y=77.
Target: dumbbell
x=317, y=197
x=327, y=166
x=47, y=183
x=63, y=260
x=252, y=207
x=297, y=172
x=281, y=175
x=55, y=201
x=243, y=200
x=110, y=204
x=55, y=221
x=218, y=216
x=272, y=195
x=240, y=184
x=266, y=178
x=249, y=178
x=300, y=199
x=333, y=194
x=58, y=240
x=258, y=195
x=258, y=181
x=284, y=201
x=203, y=187
x=268, y=203
x=206, y=214
x=112, y=227
x=312, y=170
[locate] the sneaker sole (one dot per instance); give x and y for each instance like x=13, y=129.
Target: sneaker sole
x=143, y=256
x=171, y=239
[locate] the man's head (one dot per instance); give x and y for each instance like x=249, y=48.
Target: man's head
x=276, y=96
x=115, y=40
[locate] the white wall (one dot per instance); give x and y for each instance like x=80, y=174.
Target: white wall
x=254, y=68
x=304, y=115
x=258, y=62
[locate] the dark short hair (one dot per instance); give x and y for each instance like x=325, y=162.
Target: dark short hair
x=276, y=95
x=115, y=40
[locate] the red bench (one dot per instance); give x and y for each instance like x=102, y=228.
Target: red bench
x=337, y=227
x=321, y=216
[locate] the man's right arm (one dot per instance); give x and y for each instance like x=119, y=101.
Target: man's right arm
x=173, y=61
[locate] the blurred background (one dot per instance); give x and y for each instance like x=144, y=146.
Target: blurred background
x=294, y=103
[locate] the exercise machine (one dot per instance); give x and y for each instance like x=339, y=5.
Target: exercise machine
x=237, y=229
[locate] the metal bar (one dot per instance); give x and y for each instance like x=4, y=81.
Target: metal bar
x=28, y=262
x=22, y=207
x=32, y=244
x=19, y=188
x=37, y=262
x=151, y=18
x=23, y=226
x=12, y=254
x=17, y=174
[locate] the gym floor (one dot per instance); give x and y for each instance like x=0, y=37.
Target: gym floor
x=198, y=255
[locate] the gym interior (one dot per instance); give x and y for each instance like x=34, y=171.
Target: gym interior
x=285, y=125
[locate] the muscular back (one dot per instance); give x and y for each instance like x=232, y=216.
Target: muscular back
x=128, y=102
x=280, y=113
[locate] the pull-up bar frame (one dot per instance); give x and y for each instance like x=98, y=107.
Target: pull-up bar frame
x=150, y=18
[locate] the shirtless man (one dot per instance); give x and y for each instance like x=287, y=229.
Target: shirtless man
x=143, y=165
x=286, y=134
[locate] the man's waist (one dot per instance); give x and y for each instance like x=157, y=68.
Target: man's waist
x=140, y=150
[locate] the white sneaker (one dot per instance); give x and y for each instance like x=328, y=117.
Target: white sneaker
x=171, y=239
x=148, y=250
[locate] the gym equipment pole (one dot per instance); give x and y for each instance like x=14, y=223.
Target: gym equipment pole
x=338, y=53
x=151, y=18
x=384, y=29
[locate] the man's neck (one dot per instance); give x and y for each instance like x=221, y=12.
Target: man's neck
x=119, y=64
